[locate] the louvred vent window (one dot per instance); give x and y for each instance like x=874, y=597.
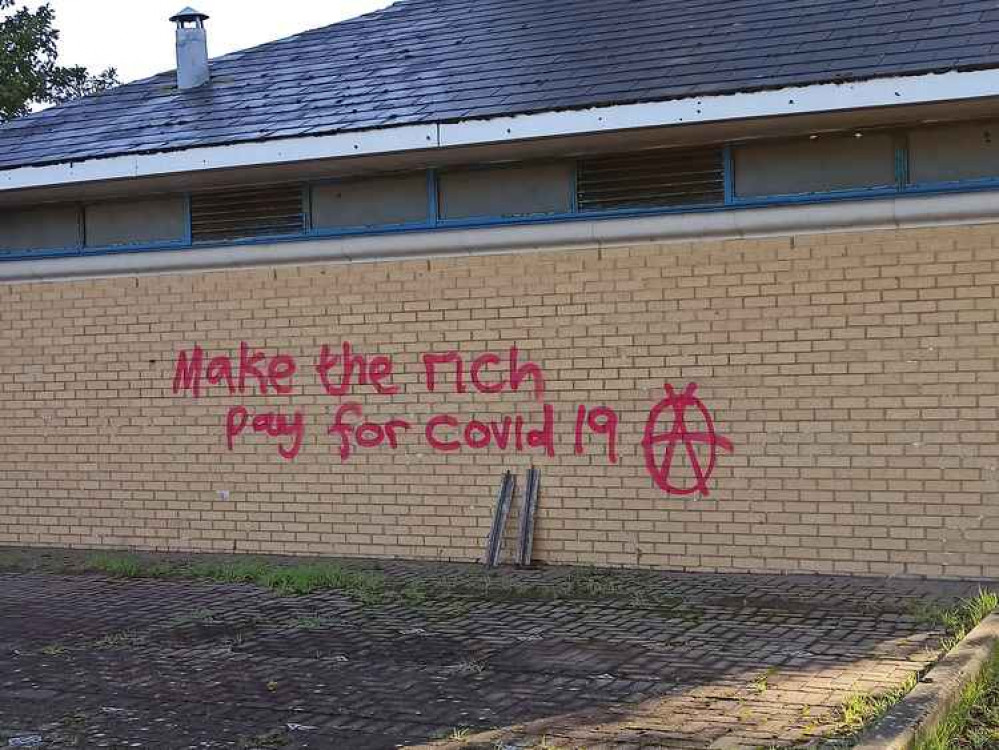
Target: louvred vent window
x=247, y=213
x=652, y=179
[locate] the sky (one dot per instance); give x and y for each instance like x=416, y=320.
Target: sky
x=135, y=36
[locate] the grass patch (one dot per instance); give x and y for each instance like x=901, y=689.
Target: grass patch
x=579, y=586
x=305, y=579
x=973, y=722
x=861, y=709
x=198, y=616
x=959, y=620
x=445, y=596
x=414, y=594
x=123, y=639
x=236, y=571
x=289, y=580
x=313, y=622
x=275, y=739
x=116, y=566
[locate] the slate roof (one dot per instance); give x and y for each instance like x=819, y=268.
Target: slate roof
x=431, y=61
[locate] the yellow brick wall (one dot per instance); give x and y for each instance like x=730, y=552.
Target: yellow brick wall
x=855, y=376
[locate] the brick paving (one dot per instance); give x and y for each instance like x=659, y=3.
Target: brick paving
x=680, y=661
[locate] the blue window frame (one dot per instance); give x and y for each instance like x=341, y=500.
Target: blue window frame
x=731, y=201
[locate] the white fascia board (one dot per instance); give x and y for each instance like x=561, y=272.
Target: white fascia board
x=797, y=100
x=281, y=151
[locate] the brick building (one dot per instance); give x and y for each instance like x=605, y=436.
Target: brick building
x=725, y=272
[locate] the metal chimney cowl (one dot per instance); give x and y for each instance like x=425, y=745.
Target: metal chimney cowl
x=192, y=49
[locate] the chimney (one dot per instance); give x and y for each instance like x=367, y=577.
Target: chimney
x=192, y=49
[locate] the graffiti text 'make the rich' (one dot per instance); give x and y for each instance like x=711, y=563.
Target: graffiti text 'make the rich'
x=340, y=371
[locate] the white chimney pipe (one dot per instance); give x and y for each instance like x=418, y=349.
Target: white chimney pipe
x=192, y=49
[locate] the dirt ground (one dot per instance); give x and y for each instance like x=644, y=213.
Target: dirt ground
x=465, y=659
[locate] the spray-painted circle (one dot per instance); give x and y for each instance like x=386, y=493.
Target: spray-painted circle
x=661, y=445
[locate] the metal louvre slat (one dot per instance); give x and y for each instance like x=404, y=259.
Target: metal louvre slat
x=246, y=219
x=626, y=162
x=643, y=186
x=247, y=213
x=651, y=179
x=265, y=227
x=639, y=177
x=282, y=208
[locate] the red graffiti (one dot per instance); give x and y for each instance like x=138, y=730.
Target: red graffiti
x=662, y=446
x=680, y=442
x=601, y=420
x=446, y=434
x=254, y=370
x=517, y=372
x=270, y=423
x=375, y=371
x=365, y=434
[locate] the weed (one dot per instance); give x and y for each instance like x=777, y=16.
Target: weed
x=366, y=587
x=451, y=610
x=121, y=640
x=861, y=709
x=238, y=571
x=305, y=579
x=958, y=621
x=274, y=739
x=465, y=668
x=55, y=649
x=414, y=594
x=760, y=683
x=75, y=721
x=198, y=616
x=459, y=734
x=973, y=722
x=590, y=585
x=313, y=622
x=117, y=566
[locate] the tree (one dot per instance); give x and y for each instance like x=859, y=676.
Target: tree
x=29, y=73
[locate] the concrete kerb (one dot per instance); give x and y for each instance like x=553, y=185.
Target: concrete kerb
x=928, y=703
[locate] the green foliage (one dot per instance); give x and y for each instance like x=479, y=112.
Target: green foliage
x=304, y=579
x=237, y=571
x=288, y=580
x=274, y=739
x=28, y=70
x=973, y=722
x=313, y=622
x=117, y=566
x=414, y=594
x=761, y=683
x=121, y=640
x=861, y=709
x=959, y=621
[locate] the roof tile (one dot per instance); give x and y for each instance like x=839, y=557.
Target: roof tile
x=433, y=61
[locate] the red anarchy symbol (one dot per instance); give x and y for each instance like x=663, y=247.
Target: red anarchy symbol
x=660, y=464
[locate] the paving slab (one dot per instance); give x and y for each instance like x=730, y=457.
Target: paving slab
x=681, y=661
